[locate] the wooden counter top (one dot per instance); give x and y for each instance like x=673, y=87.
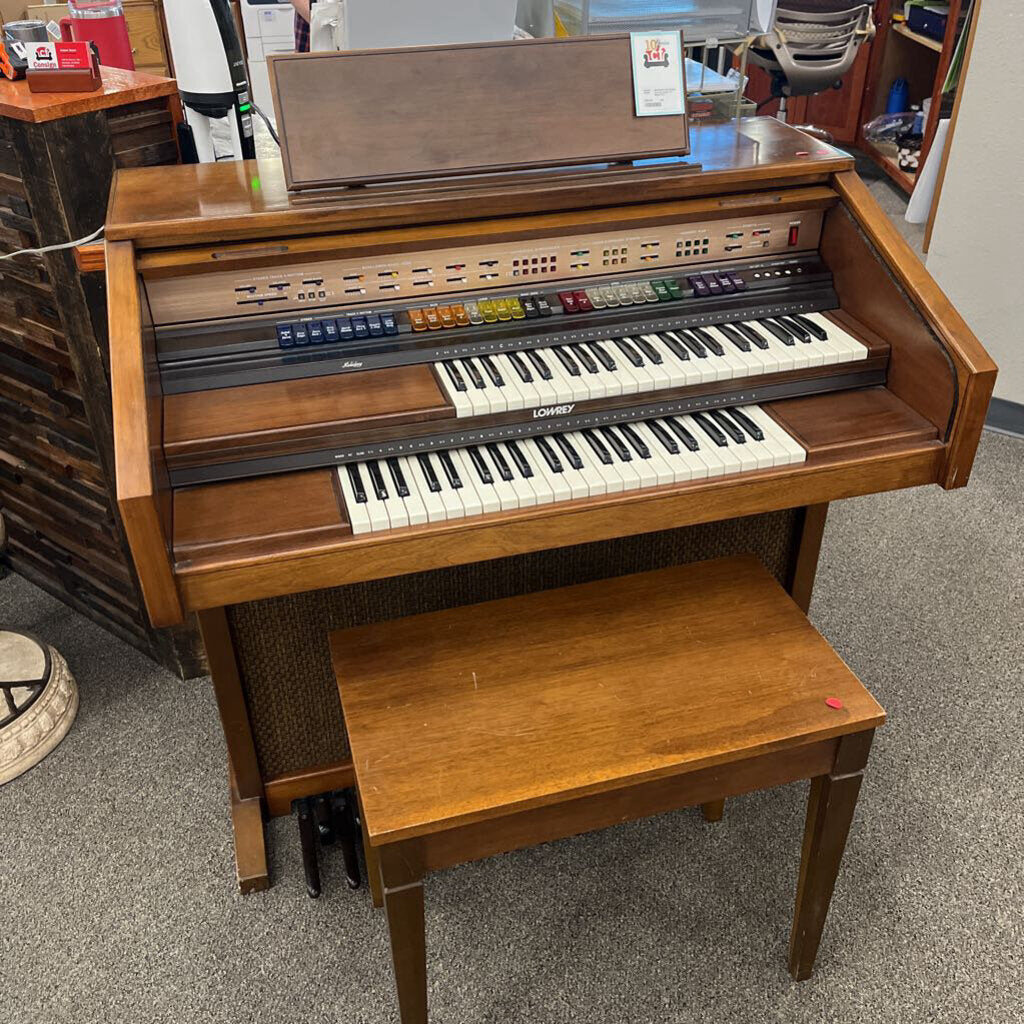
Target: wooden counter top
x=119, y=88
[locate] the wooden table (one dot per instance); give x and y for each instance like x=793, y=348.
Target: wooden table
x=496, y=726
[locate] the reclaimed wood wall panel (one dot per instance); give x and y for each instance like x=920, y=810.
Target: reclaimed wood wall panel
x=56, y=447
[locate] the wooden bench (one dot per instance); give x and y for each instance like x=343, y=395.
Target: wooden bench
x=496, y=726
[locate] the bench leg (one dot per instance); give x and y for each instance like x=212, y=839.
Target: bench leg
x=829, y=813
x=372, y=864
x=713, y=810
x=404, y=907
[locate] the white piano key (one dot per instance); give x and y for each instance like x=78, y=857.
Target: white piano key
x=644, y=468
x=513, y=393
x=376, y=508
x=477, y=396
x=488, y=497
x=472, y=502
x=560, y=490
x=795, y=451
x=431, y=500
x=595, y=481
x=356, y=511
x=664, y=473
x=414, y=507
x=747, y=362
x=525, y=491
x=459, y=399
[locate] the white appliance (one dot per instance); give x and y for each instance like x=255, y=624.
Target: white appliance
x=374, y=24
x=269, y=28
x=211, y=74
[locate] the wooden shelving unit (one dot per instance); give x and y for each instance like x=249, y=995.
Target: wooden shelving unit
x=897, y=52
x=932, y=44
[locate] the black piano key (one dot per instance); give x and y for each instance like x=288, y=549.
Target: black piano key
x=710, y=429
x=524, y=467
x=809, y=325
x=504, y=470
x=520, y=367
x=683, y=434
x=480, y=465
x=567, y=361
x=474, y=374
x=679, y=350
x=377, y=479
x=454, y=376
x=666, y=439
x=539, y=365
x=747, y=424
x=553, y=461
x=634, y=440
x=357, y=483
x=728, y=426
x=791, y=325
x=427, y=467
x=780, y=332
x=449, y=470
x=707, y=341
x=603, y=455
x=617, y=445
x=735, y=337
x=492, y=371
x=568, y=450
x=753, y=336
x=649, y=350
x=584, y=357
x=692, y=343
x=628, y=351
x=398, y=478
x=602, y=356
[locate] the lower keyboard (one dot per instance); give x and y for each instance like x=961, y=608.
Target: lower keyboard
x=387, y=494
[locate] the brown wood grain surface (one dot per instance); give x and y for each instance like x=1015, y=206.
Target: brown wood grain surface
x=119, y=87
x=137, y=440
x=225, y=202
x=552, y=80
x=975, y=369
x=481, y=711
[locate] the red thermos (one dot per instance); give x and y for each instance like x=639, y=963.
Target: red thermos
x=100, y=22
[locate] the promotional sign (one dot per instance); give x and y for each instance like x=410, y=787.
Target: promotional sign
x=658, y=73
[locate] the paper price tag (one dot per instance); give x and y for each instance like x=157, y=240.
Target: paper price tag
x=658, y=73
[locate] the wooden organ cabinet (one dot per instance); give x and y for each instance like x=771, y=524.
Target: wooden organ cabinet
x=406, y=397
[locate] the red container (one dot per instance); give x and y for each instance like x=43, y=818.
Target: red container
x=100, y=22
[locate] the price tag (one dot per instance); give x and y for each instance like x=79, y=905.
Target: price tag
x=658, y=73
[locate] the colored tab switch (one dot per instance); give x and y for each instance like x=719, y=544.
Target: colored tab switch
x=417, y=319
x=433, y=320
x=583, y=302
x=460, y=314
x=568, y=301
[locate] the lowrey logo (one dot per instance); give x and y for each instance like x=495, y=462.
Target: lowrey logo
x=553, y=410
x=655, y=55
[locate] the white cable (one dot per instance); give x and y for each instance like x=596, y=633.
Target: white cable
x=51, y=248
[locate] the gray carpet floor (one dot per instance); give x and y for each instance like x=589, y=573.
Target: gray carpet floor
x=117, y=900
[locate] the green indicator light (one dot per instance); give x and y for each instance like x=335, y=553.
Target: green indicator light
x=244, y=107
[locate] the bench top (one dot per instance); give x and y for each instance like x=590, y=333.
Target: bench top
x=480, y=711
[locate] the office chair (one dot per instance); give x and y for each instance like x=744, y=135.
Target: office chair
x=812, y=44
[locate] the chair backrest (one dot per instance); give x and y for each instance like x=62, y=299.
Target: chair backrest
x=815, y=42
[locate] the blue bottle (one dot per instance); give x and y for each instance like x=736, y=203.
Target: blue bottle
x=899, y=97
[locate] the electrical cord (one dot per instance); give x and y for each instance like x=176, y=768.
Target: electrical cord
x=266, y=121
x=53, y=248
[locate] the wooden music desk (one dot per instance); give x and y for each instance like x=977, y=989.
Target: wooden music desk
x=495, y=726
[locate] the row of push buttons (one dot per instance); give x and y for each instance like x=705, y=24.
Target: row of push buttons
x=716, y=284
x=342, y=328
x=482, y=311
x=630, y=293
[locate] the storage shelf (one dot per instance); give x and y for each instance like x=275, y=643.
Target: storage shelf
x=891, y=167
x=901, y=29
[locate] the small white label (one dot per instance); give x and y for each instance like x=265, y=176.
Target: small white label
x=42, y=56
x=658, y=73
